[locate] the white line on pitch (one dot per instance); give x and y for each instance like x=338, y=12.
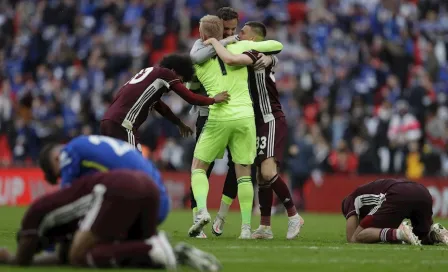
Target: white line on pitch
x=382, y=248
x=335, y=261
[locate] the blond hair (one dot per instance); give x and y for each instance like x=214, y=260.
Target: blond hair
x=211, y=27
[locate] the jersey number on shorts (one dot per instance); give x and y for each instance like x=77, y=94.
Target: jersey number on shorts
x=261, y=142
x=119, y=148
x=140, y=76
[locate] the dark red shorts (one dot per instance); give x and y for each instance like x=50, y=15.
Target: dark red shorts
x=123, y=209
x=403, y=200
x=271, y=140
x=115, y=130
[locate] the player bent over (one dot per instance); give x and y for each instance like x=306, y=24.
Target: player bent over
x=102, y=222
x=94, y=153
x=231, y=125
x=271, y=133
x=375, y=212
x=144, y=91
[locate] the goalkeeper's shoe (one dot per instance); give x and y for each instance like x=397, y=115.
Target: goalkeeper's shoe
x=295, y=224
x=195, y=258
x=439, y=233
x=218, y=225
x=203, y=218
x=263, y=232
x=408, y=236
x=245, y=232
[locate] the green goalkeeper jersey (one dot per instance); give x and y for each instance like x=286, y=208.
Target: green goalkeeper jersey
x=216, y=77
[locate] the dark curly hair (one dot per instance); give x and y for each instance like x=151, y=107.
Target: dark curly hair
x=227, y=13
x=180, y=64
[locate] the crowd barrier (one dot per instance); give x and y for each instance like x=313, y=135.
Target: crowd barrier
x=20, y=186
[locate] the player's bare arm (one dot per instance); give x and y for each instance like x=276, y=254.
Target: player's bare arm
x=226, y=56
x=196, y=99
x=167, y=113
x=351, y=227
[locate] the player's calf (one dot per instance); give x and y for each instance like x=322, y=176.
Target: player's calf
x=271, y=181
x=270, y=175
x=83, y=242
x=155, y=252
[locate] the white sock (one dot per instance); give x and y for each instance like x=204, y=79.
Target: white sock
x=223, y=209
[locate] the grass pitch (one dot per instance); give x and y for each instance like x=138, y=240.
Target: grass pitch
x=321, y=247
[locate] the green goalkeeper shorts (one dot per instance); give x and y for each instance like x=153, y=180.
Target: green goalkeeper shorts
x=238, y=135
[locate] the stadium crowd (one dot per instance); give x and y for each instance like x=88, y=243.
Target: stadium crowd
x=363, y=83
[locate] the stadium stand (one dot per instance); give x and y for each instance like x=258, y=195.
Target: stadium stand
x=364, y=83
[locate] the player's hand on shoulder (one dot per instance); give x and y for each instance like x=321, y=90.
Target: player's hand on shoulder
x=263, y=62
x=5, y=256
x=185, y=130
x=210, y=41
x=222, y=97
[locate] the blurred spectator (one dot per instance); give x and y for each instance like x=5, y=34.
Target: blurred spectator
x=404, y=130
x=345, y=67
x=342, y=160
x=172, y=155
x=414, y=166
x=301, y=162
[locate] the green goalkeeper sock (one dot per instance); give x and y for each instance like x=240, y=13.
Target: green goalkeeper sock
x=245, y=197
x=199, y=183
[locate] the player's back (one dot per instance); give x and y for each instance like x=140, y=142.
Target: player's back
x=133, y=101
x=368, y=196
x=264, y=93
x=102, y=153
x=379, y=186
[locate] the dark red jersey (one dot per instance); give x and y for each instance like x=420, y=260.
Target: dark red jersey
x=134, y=100
x=264, y=92
x=368, y=196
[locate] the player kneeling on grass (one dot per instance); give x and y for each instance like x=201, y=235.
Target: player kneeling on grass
x=85, y=155
x=375, y=213
x=103, y=222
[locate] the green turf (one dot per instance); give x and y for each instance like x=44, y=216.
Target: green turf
x=321, y=247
